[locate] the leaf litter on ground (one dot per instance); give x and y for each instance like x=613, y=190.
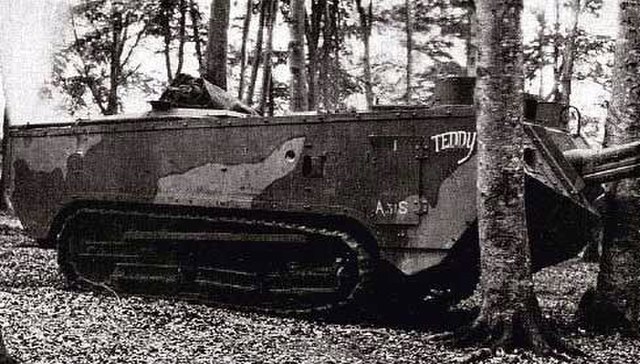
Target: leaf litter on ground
x=44, y=322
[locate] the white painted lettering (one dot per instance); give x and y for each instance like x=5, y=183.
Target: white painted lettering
x=379, y=208
x=403, y=207
x=458, y=139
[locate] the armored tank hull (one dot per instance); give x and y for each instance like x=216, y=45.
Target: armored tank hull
x=294, y=213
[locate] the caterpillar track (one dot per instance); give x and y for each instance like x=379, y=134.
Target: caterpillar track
x=279, y=266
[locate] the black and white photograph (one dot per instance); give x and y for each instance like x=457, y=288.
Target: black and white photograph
x=320, y=181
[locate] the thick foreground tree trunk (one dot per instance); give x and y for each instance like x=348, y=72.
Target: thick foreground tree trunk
x=216, y=54
x=299, y=95
x=615, y=304
x=509, y=316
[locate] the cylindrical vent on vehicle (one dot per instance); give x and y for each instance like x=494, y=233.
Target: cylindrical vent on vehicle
x=455, y=91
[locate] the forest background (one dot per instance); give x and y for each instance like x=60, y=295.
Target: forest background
x=55, y=54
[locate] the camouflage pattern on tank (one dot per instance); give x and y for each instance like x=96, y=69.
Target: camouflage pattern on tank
x=393, y=189
x=408, y=177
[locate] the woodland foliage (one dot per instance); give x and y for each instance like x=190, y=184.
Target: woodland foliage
x=356, y=53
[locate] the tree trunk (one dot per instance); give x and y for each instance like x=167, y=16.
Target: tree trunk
x=216, y=55
x=257, y=52
x=472, y=40
x=366, y=17
x=182, y=36
x=568, y=55
x=5, y=202
x=194, y=11
x=268, y=56
x=555, y=92
x=615, y=304
x=299, y=95
x=329, y=57
x=116, y=52
x=509, y=316
x=542, y=20
x=313, y=39
x=409, y=34
x=167, y=10
x=243, y=48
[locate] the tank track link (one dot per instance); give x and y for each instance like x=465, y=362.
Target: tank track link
x=359, y=257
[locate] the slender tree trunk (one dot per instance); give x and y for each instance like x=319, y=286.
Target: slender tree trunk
x=509, y=316
x=257, y=52
x=268, y=56
x=167, y=10
x=542, y=20
x=366, y=17
x=243, y=48
x=555, y=92
x=299, y=95
x=409, y=35
x=569, y=54
x=182, y=35
x=116, y=52
x=615, y=304
x=194, y=11
x=472, y=39
x=216, y=60
x=313, y=39
x=329, y=71
x=5, y=202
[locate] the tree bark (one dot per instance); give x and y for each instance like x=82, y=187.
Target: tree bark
x=329, y=59
x=167, y=10
x=194, y=12
x=409, y=35
x=555, y=92
x=216, y=54
x=313, y=27
x=116, y=53
x=509, y=316
x=299, y=95
x=569, y=55
x=267, y=58
x=243, y=48
x=472, y=40
x=257, y=52
x=615, y=303
x=542, y=21
x=182, y=36
x=366, y=18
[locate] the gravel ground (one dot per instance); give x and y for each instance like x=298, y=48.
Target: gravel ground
x=42, y=322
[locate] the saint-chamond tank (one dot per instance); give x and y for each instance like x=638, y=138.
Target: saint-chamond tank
x=297, y=213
